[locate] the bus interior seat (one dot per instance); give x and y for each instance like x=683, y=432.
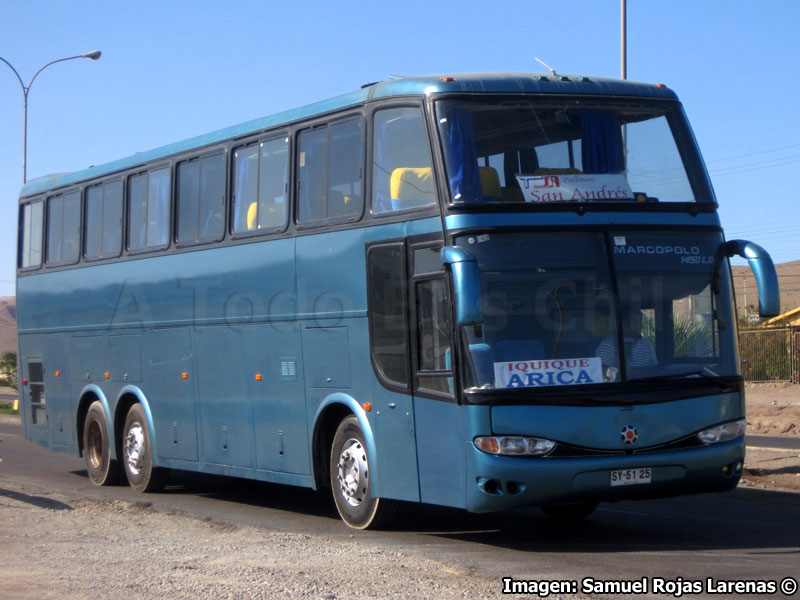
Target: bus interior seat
x=481, y=357
x=523, y=161
x=337, y=204
x=411, y=186
x=510, y=350
x=252, y=215
x=490, y=182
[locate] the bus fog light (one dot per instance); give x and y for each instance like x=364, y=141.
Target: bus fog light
x=514, y=445
x=723, y=433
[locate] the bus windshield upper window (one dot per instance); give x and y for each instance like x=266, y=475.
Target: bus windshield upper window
x=573, y=150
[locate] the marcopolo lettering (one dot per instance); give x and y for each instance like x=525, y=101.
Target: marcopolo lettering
x=663, y=250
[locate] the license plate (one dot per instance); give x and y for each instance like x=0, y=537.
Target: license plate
x=631, y=476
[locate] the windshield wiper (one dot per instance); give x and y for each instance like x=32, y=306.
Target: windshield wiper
x=688, y=376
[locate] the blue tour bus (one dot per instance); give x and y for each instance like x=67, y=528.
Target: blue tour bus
x=481, y=291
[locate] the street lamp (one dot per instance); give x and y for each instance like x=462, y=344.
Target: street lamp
x=94, y=55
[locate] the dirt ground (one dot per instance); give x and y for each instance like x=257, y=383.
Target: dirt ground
x=772, y=409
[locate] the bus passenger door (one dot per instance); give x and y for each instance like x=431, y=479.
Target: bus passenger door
x=392, y=413
x=440, y=449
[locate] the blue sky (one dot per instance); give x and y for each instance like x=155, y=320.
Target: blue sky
x=174, y=69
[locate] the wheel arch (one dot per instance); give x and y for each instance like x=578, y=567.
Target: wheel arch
x=127, y=397
x=89, y=394
x=331, y=411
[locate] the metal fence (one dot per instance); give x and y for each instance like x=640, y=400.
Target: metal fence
x=770, y=354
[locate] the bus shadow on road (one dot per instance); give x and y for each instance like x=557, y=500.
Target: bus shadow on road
x=37, y=501
x=748, y=519
x=745, y=519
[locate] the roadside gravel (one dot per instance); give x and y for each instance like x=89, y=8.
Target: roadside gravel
x=56, y=547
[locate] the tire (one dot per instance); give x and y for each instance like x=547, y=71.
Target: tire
x=137, y=453
x=350, y=481
x=574, y=511
x=97, y=447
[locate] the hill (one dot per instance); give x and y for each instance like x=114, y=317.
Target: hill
x=8, y=324
x=747, y=292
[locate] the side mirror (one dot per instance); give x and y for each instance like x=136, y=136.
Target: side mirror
x=769, y=300
x=466, y=283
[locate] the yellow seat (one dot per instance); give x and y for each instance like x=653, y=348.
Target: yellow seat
x=252, y=215
x=411, y=183
x=490, y=182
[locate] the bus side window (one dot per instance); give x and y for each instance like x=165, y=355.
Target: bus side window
x=30, y=227
x=434, y=363
x=402, y=176
x=201, y=200
x=387, y=312
x=149, y=210
x=330, y=174
x=103, y=231
x=63, y=228
x=261, y=175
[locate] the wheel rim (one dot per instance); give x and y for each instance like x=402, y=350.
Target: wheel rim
x=94, y=445
x=353, y=472
x=134, y=448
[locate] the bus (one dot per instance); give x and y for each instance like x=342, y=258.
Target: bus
x=481, y=291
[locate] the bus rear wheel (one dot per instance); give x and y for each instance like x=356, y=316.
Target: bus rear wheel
x=350, y=480
x=97, y=447
x=137, y=453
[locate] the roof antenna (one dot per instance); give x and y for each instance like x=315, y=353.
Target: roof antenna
x=548, y=67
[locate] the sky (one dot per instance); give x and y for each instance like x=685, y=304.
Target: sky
x=173, y=69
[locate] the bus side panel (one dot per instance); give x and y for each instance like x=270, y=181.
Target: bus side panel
x=279, y=402
x=225, y=394
x=58, y=386
x=172, y=398
x=440, y=451
x=34, y=414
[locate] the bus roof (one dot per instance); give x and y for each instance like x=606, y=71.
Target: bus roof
x=486, y=83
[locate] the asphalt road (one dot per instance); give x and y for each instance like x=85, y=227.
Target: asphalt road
x=745, y=534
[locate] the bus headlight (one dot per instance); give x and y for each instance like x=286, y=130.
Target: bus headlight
x=514, y=445
x=723, y=433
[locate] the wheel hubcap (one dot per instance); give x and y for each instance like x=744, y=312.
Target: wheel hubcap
x=134, y=448
x=353, y=472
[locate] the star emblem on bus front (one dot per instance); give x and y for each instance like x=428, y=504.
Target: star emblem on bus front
x=629, y=434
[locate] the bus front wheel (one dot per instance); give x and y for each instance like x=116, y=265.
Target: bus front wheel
x=97, y=447
x=350, y=480
x=137, y=453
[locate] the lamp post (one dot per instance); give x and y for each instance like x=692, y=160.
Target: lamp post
x=94, y=55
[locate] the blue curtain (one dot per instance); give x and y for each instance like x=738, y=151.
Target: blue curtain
x=601, y=148
x=462, y=163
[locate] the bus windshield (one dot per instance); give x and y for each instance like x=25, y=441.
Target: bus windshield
x=545, y=151
x=553, y=315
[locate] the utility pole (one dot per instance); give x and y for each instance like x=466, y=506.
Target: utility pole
x=623, y=39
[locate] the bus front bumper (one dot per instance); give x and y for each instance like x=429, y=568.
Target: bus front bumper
x=502, y=482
